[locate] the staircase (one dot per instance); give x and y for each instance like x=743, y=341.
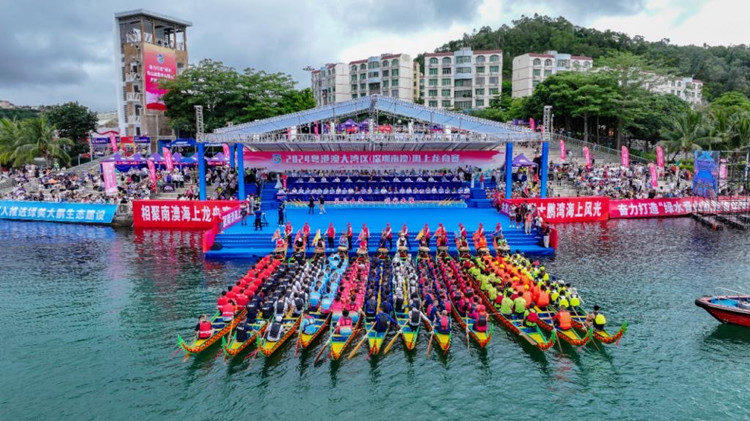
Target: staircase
x=478, y=199
x=267, y=196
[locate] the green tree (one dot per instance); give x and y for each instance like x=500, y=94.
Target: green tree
x=21, y=142
x=73, y=121
x=685, y=133
x=731, y=103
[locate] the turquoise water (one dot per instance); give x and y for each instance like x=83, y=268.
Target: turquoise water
x=91, y=315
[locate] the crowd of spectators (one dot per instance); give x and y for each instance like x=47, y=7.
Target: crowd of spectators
x=633, y=182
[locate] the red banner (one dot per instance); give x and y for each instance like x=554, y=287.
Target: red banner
x=562, y=151
x=625, y=156
x=372, y=159
x=649, y=208
x=565, y=209
x=660, y=157
x=654, y=175
x=587, y=156
x=168, y=158
x=179, y=214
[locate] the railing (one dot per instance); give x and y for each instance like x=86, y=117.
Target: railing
x=599, y=152
x=132, y=96
x=378, y=138
x=134, y=119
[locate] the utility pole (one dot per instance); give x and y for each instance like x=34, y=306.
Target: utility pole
x=199, y=123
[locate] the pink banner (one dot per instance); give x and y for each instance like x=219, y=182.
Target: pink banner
x=625, y=156
x=649, y=208
x=110, y=179
x=660, y=157
x=113, y=142
x=532, y=124
x=587, y=156
x=654, y=175
x=152, y=172
x=225, y=148
x=372, y=159
x=562, y=151
x=565, y=209
x=167, y=158
x=158, y=63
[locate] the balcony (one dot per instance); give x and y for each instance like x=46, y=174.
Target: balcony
x=133, y=78
x=133, y=97
x=134, y=119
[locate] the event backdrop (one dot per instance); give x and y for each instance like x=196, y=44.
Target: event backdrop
x=158, y=63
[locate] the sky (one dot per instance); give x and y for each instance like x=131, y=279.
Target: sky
x=58, y=51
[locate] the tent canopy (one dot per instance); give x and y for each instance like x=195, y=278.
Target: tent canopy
x=522, y=161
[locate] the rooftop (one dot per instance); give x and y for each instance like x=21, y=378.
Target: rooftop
x=144, y=12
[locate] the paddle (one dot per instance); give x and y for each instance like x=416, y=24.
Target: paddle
x=467, y=335
x=554, y=332
x=330, y=339
x=592, y=339
x=354, y=351
x=432, y=335
x=175, y=352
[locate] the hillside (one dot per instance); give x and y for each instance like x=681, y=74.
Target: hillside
x=721, y=68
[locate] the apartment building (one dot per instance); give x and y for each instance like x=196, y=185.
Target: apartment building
x=531, y=69
x=388, y=75
x=418, y=83
x=149, y=47
x=330, y=84
x=686, y=88
x=462, y=79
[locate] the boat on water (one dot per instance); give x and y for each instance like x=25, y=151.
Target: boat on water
x=731, y=309
x=319, y=314
x=220, y=329
x=352, y=293
x=404, y=272
x=378, y=283
x=443, y=336
x=578, y=316
x=455, y=281
x=269, y=347
x=233, y=347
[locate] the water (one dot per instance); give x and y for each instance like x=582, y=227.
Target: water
x=91, y=314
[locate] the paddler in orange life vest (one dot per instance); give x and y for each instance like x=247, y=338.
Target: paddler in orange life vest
x=562, y=319
x=204, y=329
x=227, y=312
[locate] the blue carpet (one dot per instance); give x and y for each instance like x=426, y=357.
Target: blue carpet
x=242, y=241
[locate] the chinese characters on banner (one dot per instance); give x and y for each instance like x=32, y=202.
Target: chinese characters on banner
x=110, y=179
x=625, y=156
x=565, y=209
x=168, y=158
x=562, y=151
x=179, y=214
x=81, y=213
x=587, y=156
x=152, y=173
x=649, y=208
x=372, y=159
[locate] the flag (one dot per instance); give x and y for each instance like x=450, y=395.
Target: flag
x=113, y=142
x=110, y=179
x=654, y=175
x=420, y=234
x=562, y=151
x=276, y=235
x=587, y=155
x=152, y=171
x=660, y=157
x=167, y=158
x=317, y=236
x=625, y=156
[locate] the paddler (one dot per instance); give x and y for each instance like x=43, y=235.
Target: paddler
x=227, y=312
x=276, y=330
x=242, y=328
x=381, y=322
x=344, y=324
x=388, y=235
x=204, y=329
x=530, y=318
x=405, y=232
x=330, y=234
x=415, y=317
x=443, y=324
x=596, y=319
x=519, y=305
x=506, y=305
x=307, y=325
x=562, y=319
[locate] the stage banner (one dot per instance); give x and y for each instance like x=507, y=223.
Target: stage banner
x=79, y=213
x=660, y=157
x=167, y=158
x=706, y=173
x=113, y=142
x=179, y=214
x=625, y=156
x=110, y=178
x=654, y=175
x=587, y=156
x=158, y=63
x=564, y=209
x=152, y=172
x=372, y=159
x=649, y=208
x=562, y=151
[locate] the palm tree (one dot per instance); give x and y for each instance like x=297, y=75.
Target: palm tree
x=720, y=129
x=685, y=134
x=21, y=142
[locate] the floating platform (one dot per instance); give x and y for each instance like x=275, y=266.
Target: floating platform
x=243, y=241
x=709, y=221
x=732, y=221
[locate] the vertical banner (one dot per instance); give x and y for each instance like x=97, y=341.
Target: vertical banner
x=587, y=156
x=158, y=63
x=152, y=172
x=110, y=179
x=113, y=142
x=225, y=149
x=654, y=175
x=167, y=158
x=722, y=173
x=625, y=156
x=562, y=151
x=660, y=157
x=532, y=124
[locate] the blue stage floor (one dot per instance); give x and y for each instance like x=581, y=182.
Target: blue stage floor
x=242, y=241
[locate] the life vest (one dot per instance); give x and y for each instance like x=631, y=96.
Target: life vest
x=228, y=311
x=564, y=320
x=448, y=306
x=414, y=318
x=529, y=320
x=279, y=307
x=275, y=333
x=599, y=319
x=482, y=320
x=204, y=330
x=299, y=303
x=520, y=305
x=381, y=322
x=564, y=302
x=444, y=323
x=543, y=300
x=575, y=301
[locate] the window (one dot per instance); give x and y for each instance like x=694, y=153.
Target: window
x=463, y=70
x=494, y=80
x=463, y=104
x=394, y=72
x=563, y=63
x=463, y=82
x=446, y=61
x=362, y=66
x=374, y=65
x=385, y=83
x=433, y=72
x=480, y=59
x=354, y=96
x=479, y=102
x=394, y=93
x=548, y=62
x=494, y=69
x=354, y=78
x=576, y=64
x=586, y=64
x=547, y=72
x=463, y=59
x=494, y=58
x=447, y=70
x=385, y=73
x=385, y=63
x=432, y=103
x=394, y=62
x=432, y=93
x=446, y=104
x=479, y=81
x=433, y=62
x=494, y=91
x=446, y=81
x=354, y=68
x=535, y=83
x=537, y=72
x=446, y=92
x=373, y=74
x=362, y=76
x=394, y=82
x=480, y=69
x=362, y=86
x=354, y=87
x=537, y=62
x=479, y=92
x=462, y=94
x=432, y=82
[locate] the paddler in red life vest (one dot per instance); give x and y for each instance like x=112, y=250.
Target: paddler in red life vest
x=288, y=230
x=331, y=233
x=204, y=329
x=479, y=233
x=227, y=312
x=222, y=300
x=439, y=232
x=480, y=321
x=344, y=324
x=364, y=235
x=462, y=231
x=426, y=234
x=443, y=324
